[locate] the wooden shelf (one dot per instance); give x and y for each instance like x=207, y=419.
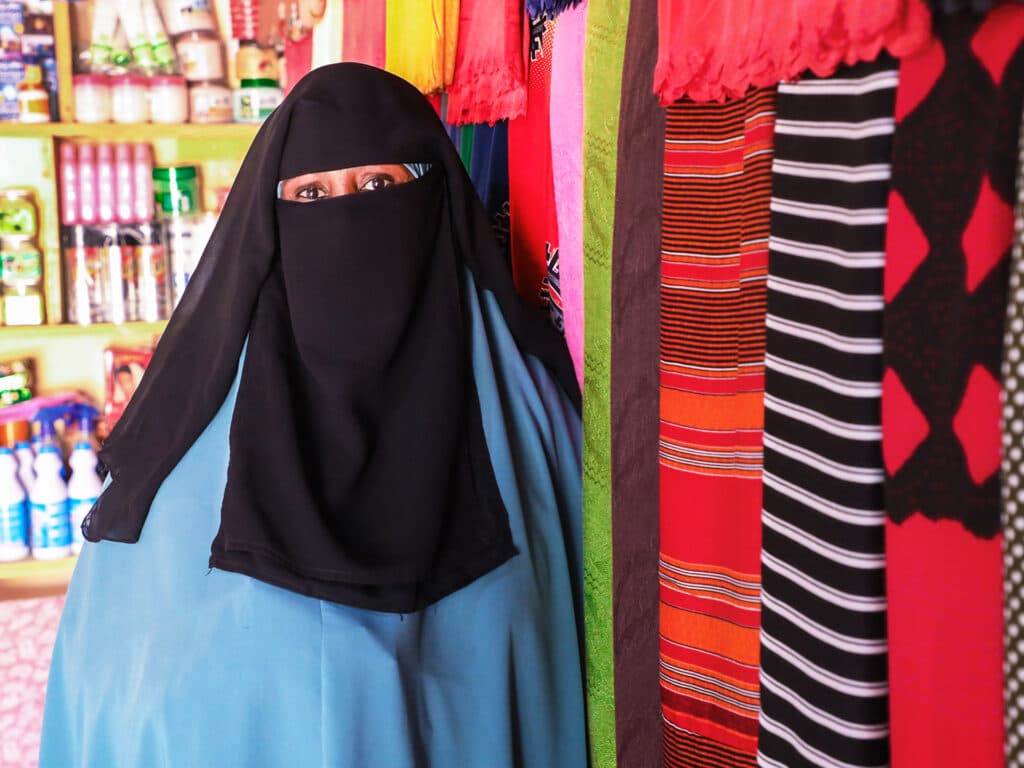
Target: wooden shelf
x=128, y=131
x=35, y=578
x=42, y=332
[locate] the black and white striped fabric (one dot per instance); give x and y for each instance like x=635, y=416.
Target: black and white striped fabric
x=824, y=690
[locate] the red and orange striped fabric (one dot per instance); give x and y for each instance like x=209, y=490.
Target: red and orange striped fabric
x=717, y=189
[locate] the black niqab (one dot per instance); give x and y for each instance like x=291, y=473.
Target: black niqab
x=358, y=471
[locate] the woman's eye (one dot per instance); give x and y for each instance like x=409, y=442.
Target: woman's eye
x=378, y=182
x=311, y=192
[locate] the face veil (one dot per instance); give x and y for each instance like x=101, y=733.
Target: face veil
x=358, y=471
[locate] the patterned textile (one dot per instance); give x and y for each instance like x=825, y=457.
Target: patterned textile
x=27, y=631
x=531, y=188
x=947, y=245
x=421, y=39
x=706, y=55
x=602, y=66
x=549, y=9
x=363, y=33
x=567, y=170
x=717, y=187
x=824, y=669
x=489, y=82
x=636, y=263
x=1013, y=487
x=489, y=171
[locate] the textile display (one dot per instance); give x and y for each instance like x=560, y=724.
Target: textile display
x=567, y=170
x=824, y=668
x=491, y=675
x=533, y=216
x=421, y=39
x=607, y=21
x=337, y=433
x=489, y=82
x=714, y=259
x=1012, y=486
x=363, y=34
x=636, y=261
x=949, y=234
x=489, y=171
x=549, y=9
x=704, y=54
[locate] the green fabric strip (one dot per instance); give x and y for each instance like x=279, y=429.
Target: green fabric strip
x=607, y=22
x=466, y=135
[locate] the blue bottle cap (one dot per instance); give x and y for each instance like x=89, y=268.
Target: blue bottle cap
x=22, y=445
x=5, y=451
x=48, y=449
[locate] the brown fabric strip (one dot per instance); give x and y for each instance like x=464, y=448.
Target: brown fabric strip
x=634, y=397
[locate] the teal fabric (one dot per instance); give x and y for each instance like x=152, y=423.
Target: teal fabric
x=161, y=662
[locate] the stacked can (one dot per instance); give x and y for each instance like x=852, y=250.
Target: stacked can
x=115, y=263
x=21, y=259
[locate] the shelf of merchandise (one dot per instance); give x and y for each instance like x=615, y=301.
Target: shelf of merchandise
x=70, y=357
x=117, y=132
x=35, y=578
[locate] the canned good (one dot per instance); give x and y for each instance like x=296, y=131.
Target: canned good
x=182, y=16
x=256, y=99
x=21, y=274
x=209, y=102
x=201, y=56
x=18, y=213
x=175, y=190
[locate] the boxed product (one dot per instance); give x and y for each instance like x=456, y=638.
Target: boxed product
x=124, y=369
x=11, y=73
x=17, y=380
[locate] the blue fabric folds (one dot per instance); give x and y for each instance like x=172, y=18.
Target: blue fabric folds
x=161, y=662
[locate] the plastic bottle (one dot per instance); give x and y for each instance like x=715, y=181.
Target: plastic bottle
x=83, y=488
x=51, y=524
x=68, y=184
x=86, y=184
x=13, y=510
x=26, y=458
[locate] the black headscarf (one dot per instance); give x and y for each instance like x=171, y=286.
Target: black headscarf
x=358, y=471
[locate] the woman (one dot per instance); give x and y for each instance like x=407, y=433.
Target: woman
x=352, y=539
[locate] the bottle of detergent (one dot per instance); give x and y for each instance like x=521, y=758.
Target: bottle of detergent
x=85, y=485
x=13, y=510
x=23, y=453
x=50, y=536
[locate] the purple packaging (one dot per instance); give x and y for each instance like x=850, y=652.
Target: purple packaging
x=12, y=27
x=11, y=73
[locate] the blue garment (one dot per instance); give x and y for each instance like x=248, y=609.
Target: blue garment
x=163, y=663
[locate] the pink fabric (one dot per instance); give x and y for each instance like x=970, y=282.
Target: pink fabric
x=363, y=32
x=712, y=51
x=567, y=170
x=27, y=632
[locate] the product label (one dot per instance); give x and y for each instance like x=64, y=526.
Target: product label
x=11, y=73
x=12, y=27
x=51, y=525
x=18, y=267
x=79, y=509
x=23, y=310
x=14, y=523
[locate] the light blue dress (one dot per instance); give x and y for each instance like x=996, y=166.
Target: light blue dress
x=162, y=663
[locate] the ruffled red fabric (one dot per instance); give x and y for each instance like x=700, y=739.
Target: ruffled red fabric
x=490, y=63
x=712, y=50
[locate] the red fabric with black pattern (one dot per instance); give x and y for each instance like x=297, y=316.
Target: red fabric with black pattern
x=950, y=227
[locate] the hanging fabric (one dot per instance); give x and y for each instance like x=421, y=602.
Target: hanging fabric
x=823, y=635
x=950, y=228
x=531, y=188
x=952, y=7
x=713, y=51
x=604, y=49
x=327, y=35
x=635, y=279
x=549, y=9
x=1013, y=486
x=363, y=36
x=489, y=171
x=489, y=81
x=567, y=170
x=421, y=39
x=715, y=215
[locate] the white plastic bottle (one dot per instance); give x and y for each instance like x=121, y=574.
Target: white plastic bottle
x=13, y=510
x=83, y=489
x=26, y=457
x=51, y=525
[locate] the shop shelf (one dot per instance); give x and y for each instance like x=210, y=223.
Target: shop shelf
x=35, y=578
x=115, y=132
x=32, y=333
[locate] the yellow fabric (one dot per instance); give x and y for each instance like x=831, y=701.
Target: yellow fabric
x=422, y=36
